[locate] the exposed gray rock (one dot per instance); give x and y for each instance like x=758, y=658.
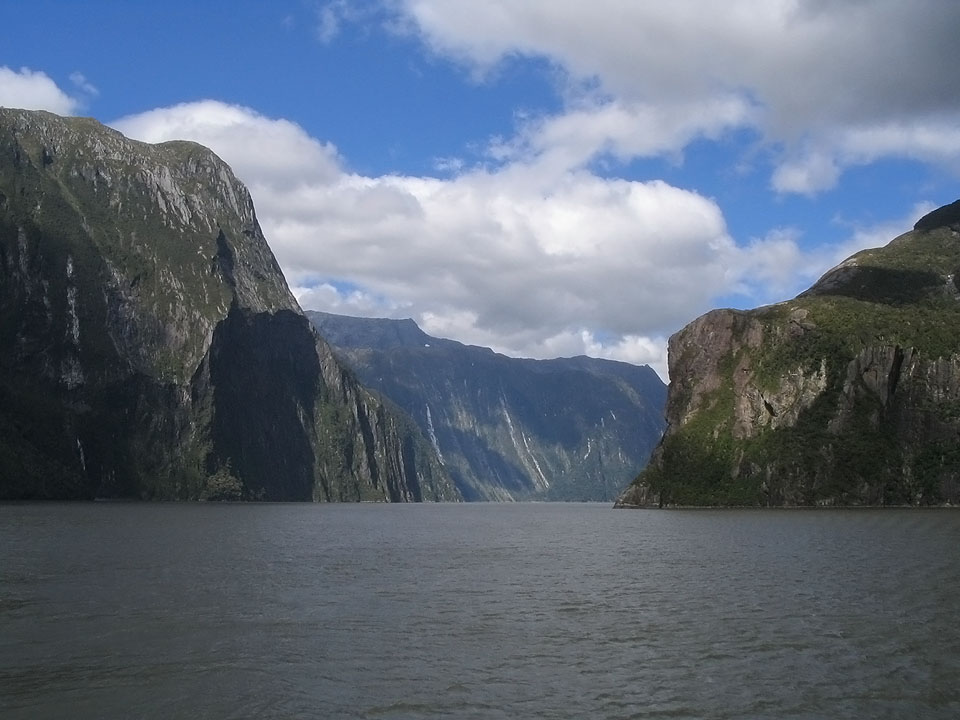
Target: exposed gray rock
x=509, y=428
x=149, y=344
x=847, y=395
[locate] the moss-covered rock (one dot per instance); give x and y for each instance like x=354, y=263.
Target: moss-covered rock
x=150, y=347
x=847, y=395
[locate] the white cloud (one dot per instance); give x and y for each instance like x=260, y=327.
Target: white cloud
x=33, y=90
x=277, y=153
x=530, y=258
x=624, y=131
x=828, y=85
x=927, y=140
x=807, y=174
x=814, y=168
x=773, y=266
x=634, y=349
x=330, y=17
x=538, y=255
x=328, y=24
x=358, y=303
x=83, y=85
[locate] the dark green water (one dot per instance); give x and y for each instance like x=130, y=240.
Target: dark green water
x=477, y=611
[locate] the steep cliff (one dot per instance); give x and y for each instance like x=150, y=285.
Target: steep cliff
x=150, y=347
x=847, y=395
x=508, y=428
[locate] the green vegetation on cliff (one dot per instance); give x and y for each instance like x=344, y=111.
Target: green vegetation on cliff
x=847, y=395
x=150, y=347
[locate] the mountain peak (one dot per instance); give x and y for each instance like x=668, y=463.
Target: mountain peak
x=378, y=333
x=846, y=395
x=945, y=216
x=509, y=428
x=916, y=267
x=150, y=346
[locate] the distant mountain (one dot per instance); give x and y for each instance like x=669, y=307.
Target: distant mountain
x=507, y=428
x=150, y=347
x=847, y=395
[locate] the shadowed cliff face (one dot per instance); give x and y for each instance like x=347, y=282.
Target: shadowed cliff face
x=507, y=428
x=847, y=395
x=149, y=345
x=253, y=418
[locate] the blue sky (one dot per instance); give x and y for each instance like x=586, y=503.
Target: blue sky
x=547, y=177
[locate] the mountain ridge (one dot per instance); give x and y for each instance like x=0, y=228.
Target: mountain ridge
x=509, y=428
x=131, y=274
x=846, y=395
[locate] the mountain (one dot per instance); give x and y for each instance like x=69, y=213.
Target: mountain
x=150, y=347
x=847, y=395
x=507, y=428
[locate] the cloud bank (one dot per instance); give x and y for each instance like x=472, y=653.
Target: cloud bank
x=34, y=90
x=534, y=257
x=537, y=252
x=826, y=85
x=526, y=258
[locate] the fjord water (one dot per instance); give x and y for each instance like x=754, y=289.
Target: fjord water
x=476, y=611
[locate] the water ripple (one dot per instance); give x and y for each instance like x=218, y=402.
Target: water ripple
x=489, y=611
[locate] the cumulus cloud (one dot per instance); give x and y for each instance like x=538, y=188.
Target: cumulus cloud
x=634, y=349
x=808, y=173
x=773, y=266
x=538, y=255
x=343, y=300
x=276, y=153
x=623, y=130
x=531, y=258
x=818, y=166
x=34, y=90
x=827, y=85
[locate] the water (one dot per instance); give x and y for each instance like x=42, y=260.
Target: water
x=476, y=611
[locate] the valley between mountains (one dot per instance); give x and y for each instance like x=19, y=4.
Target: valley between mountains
x=150, y=348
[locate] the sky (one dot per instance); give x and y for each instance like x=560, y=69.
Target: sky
x=543, y=177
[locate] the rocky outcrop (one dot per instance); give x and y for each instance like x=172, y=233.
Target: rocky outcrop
x=847, y=395
x=508, y=428
x=150, y=347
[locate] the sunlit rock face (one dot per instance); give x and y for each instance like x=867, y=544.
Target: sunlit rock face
x=150, y=347
x=847, y=395
x=507, y=428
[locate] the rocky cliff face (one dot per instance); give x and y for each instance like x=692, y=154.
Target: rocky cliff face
x=506, y=428
x=149, y=345
x=847, y=395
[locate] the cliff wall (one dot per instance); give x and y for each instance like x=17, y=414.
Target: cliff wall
x=150, y=347
x=847, y=395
